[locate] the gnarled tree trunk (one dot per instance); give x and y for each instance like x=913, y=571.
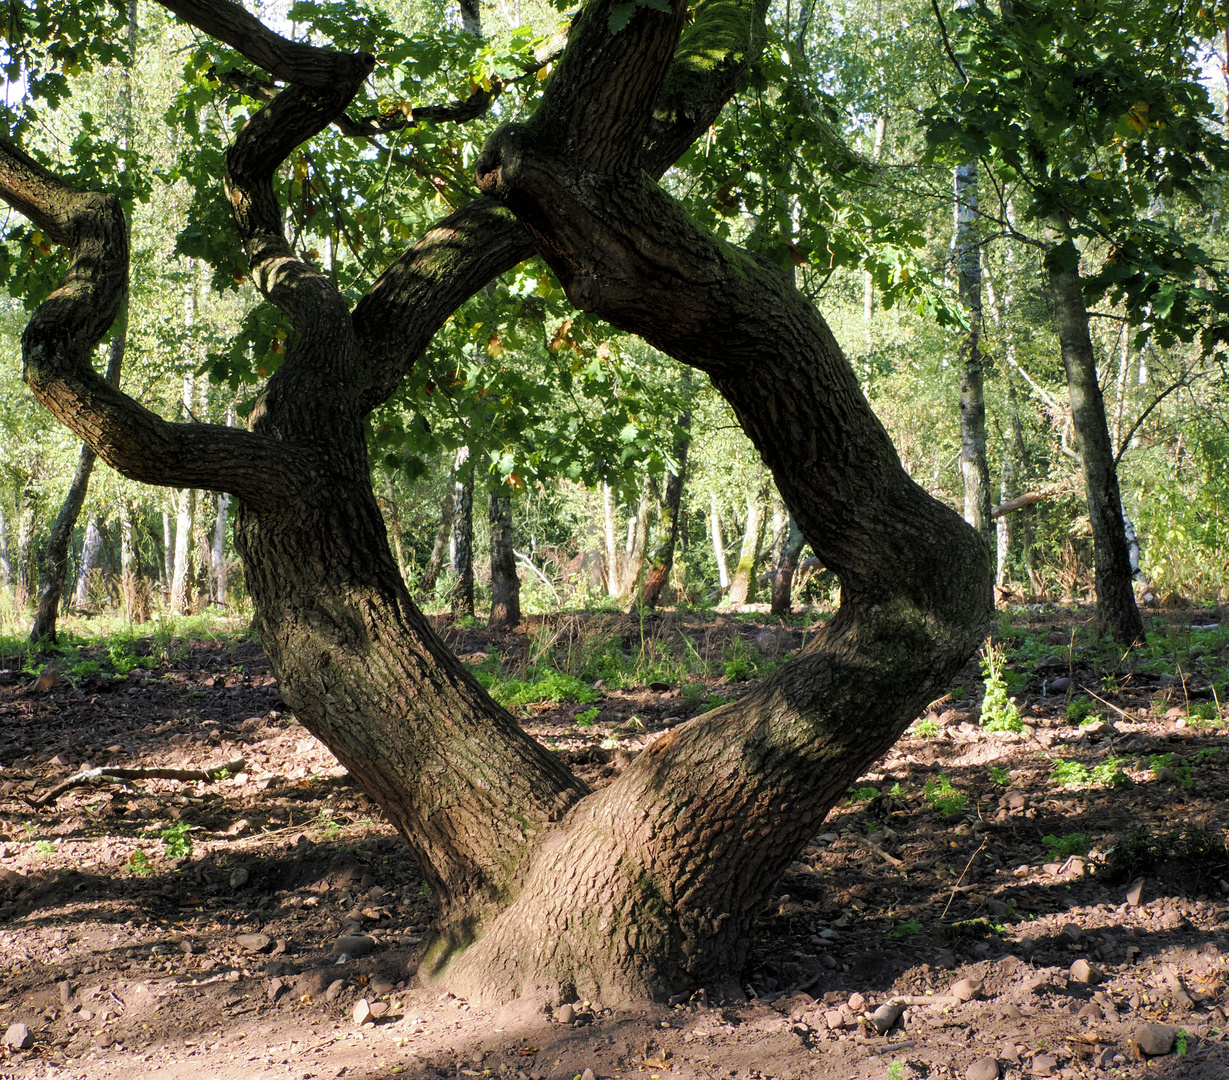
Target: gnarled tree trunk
x=652, y=884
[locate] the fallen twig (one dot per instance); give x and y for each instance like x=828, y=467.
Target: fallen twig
x=892, y=859
x=117, y=774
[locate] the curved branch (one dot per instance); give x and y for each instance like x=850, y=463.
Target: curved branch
x=1186, y=380
x=59, y=341
x=288, y=60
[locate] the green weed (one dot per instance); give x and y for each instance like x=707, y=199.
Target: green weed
x=176, y=841
x=860, y=794
x=141, y=863
x=943, y=797
x=1079, y=709
x=585, y=719
x=999, y=775
x=1063, y=847
x=905, y=929
x=926, y=729
x=998, y=711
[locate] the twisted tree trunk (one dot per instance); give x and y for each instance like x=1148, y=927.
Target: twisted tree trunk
x=652, y=884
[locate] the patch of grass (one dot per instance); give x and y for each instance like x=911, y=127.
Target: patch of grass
x=585, y=719
x=860, y=794
x=1109, y=773
x=1063, y=847
x=999, y=775
x=905, y=929
x=551, y=686
x=944, y=798
x=1079, y=709
x=1075, y=773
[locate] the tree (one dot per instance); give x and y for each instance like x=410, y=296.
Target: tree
x=651, y=884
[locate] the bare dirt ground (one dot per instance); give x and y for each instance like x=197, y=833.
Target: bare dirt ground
x=913, y=938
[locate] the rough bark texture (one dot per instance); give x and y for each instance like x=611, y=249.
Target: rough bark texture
x=463, y=542
x=652, y=884
x=435, y=563
x=505, y=585
x=1116, y=607
x=718, y=541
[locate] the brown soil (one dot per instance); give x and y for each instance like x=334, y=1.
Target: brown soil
x=123, y=960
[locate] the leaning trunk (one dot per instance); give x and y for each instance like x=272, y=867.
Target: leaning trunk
x=505, y=585
x=1116, y=607
x=55, y=561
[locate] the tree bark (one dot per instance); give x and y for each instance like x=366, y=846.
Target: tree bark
x=714, y=531
x=974, y=468
x=505, y=585
x=742, y=583
x=1116, y=607
x=91, y=544
x=55, y=559
x=613, y=566
x=659, y=560
x=132, y=578
x=463, y=537
x=183, y=559
x=785, y=565
x=442, y=535
x=652, y=884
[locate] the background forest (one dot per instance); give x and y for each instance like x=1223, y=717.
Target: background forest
x=919, y=171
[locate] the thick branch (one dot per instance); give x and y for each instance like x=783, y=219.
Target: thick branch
x=62, y=333
x=288, y=60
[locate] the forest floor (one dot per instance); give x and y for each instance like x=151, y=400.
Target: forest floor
x=1052, y=902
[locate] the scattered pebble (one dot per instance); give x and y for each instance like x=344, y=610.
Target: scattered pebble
x=254, y=943
x=354, y=945
x=19, y=1036
x=986, y=1068
x=965, y=989
x=1084, y=972
x=362, y=1013
x=565, y=1014
x=1153, y=1040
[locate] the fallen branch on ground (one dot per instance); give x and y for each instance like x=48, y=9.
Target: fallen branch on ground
x=117, y=774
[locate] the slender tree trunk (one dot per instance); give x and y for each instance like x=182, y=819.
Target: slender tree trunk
x=659, y=560
x=218, y=576
x=463, y=537
x=439, y=550
x=505, y=585
x=1116, y=606
x=785, y=565
x=26, y=523
x=637, y=542
x=55, y=560
x=392, y=513
x=974, y=469
x=132, y=577
x=613, y=567
x=742, y=583
x=714, y=529
x=91, y=545
x=6, y=567
x=182, y=568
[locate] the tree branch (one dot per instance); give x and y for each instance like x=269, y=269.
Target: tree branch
x=59, y=341
x=290, y=61
x=1186, y=380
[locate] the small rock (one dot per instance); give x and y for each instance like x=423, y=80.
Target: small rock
x=1009, y=1012
x=239, y=877
x=19, y=1036
x=1153, y=1040
x=106, y=1039
x=362, y=1013
x=1092, y=1011
x=254, y=943
x=587, y=1075
x=857, y=1002
x=1009, y=1051
x=965, y=989
x=1072, y=932
x=277, y=987
x=565, y=1014
x=335, y=989
x=354, y=944
x=66, y=991
x=835, y=1019
x=886, y=1016
x=378, y=1008
x=1084, y=972
x=1045, y=1065
x=1134, y=893
x=986, y=1068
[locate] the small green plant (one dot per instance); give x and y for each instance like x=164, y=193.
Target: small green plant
x=1000, y=775
x=898, y=790
x=943, y=797
x=896, y=1071
x=83, y=670
x=998, y=711
x=926, y=729
x=1181, y=1042
x=1156, y=762
x=1068, y=773
x=860, y=794
x=1109, y=773
x=44, y=847
x=176, y=841
x=141, y=863
x=1063, y=847
x=424, y=891
x=122, y=658
x=905, y=929
x=326, y=823
x=1079, y=709
x=585, y=719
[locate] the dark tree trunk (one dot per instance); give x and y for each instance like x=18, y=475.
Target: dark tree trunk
x=463, y=541
x=505, y=585
x=785, y=565
x=659, y=560
x=652, y=884
x=1116, y=607
x=974, y=469
x=55, y=559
